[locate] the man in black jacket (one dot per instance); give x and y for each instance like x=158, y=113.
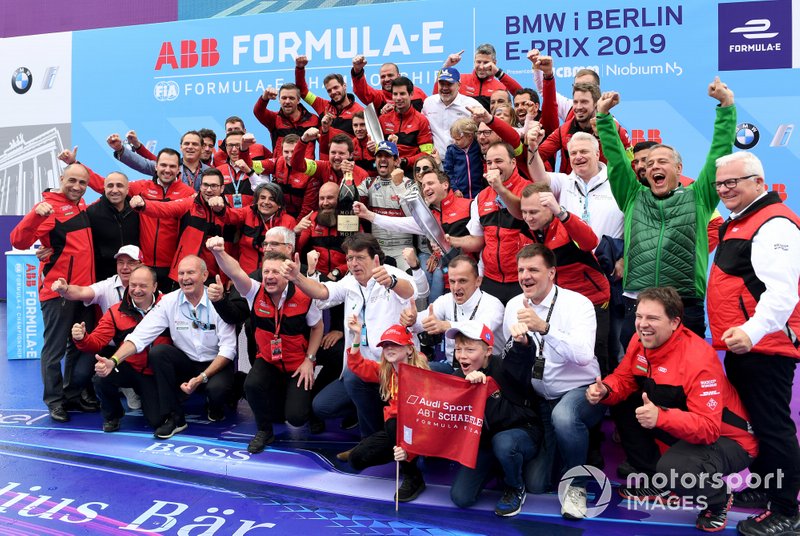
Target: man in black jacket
x=114, y=224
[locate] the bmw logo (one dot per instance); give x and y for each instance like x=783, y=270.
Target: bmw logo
x=21, y=80
x=746, y=136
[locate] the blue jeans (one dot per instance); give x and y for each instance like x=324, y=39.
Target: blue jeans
x=435, y=278
x=332, y=401
x=566, y=423
x=511, y=449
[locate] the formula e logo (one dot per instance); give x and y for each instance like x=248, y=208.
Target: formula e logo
x=755, y=29
x=166, y=90
x=21, y=80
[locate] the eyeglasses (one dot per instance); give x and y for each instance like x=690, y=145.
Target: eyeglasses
x=359, y=258
x=274, y=244
x=484, y=132
x=208, y=186
x=233, y=145
x=730, y=184
x=422, y=169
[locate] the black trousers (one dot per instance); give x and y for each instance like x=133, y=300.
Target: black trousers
x=171, y=367
x=699, y=469
x=274, y=396
x=764, y=383
x=58, y=316
x=378, y=449
x=502, y=291
x=107, y=390
x=694, y=318
x=601, y=339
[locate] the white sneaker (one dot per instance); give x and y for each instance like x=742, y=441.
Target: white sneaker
x=134, y=402
x=574, y=504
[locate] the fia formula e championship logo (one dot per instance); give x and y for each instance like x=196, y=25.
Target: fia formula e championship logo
x=21, y=80
x=755, y=35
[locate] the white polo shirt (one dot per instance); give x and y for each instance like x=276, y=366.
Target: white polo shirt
x=593, y=199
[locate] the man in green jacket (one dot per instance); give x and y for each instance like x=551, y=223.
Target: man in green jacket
x=666, y=240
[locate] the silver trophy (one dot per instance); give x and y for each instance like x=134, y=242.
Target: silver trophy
x=414, y=207
x=373, y=125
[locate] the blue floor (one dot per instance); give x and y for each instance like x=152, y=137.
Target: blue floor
x=73, y=479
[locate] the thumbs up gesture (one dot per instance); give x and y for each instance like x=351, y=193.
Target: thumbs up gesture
x=433, y=325
x=596, y=392
x=103, y=366
x=291, y=269
x=379, y=273
x=408, y=317
x=528, y=316
x=69, y=157
x=647, y=414
x=79, y=331
x=216, y=290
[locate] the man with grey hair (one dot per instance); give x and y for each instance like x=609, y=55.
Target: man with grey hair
x=447, y=106
x=485, y=79
x=201, y=354
x=754, y=315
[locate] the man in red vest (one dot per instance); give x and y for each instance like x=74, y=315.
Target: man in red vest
x=754, y=315
x=288, y=328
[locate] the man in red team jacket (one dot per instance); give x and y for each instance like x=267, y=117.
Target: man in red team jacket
x=60, y=222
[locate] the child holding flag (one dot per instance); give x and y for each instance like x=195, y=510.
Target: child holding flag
x=397, y=347
x=511, y=430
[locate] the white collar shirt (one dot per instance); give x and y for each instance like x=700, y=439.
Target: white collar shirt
x=176, y=313
x=441, y=116
x=593, y=202
x=568, y=346
x=107, y=292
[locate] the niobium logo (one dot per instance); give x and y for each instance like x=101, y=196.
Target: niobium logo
x=585, y=471
x=21, y=80
x=166, y=90
x=746, y=136
x=755, y=35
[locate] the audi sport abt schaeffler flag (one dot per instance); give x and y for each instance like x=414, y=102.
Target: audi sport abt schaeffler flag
x=440, y=415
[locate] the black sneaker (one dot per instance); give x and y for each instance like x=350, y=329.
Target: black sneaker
x=625, y=469
x=411, y=487
x=769, y=523
x=714, y=518
x=649, y=494
x=316, y=425
x=349, y=422
x=260, y=441
x=79, y=404
x=110, y=425
x=216, y=414
x=59, y=414
x=170, y=428
x=511, y=502
x=751, y=498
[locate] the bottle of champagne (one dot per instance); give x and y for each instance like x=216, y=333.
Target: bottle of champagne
x=346, y=219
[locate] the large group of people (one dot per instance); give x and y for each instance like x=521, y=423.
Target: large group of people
x=573, y=274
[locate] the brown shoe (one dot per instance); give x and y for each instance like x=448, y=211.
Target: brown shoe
x=344, y=456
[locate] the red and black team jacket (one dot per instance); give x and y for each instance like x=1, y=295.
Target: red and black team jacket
x=502, y=232
x=280, y=126
x=236, y=180
x=68, y=231
x=293, y=331
x=379, y=97
x=733, y=288
x=558, y=140
x=116, y=324
x=256, y=151
x=327, y=242
x=413, y=131
x=342, y=119
x=453, y=215
x=300, y=188
x=481, y=89
x=321, y=169
x=253, y=228
x=685, y=379
x=197, y=223
x=573, y=242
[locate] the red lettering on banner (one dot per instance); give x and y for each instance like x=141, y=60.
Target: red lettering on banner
x=189, y=57
x=781, y=190
x=638, y=136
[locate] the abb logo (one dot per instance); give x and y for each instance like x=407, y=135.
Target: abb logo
x=30, y=275
x=781, y=190
x=638, y=136
x=208, y=55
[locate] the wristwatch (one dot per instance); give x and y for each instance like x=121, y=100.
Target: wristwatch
x=393, y=283
x=336, y=273
x=312, y=358
x=562, y=216
x=205, y=378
